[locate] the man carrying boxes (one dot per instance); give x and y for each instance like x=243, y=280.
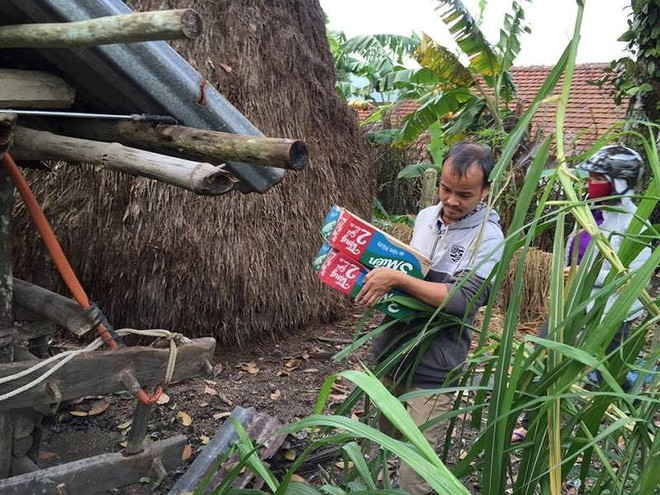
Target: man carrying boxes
x=463, y=239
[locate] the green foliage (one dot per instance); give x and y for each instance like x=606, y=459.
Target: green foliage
x=637, y=76
x=371, y=69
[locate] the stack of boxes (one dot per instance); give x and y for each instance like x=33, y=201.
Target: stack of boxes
x=352, y=247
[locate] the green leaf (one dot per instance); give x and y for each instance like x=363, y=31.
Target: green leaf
x=470, y=39
x=416, y=170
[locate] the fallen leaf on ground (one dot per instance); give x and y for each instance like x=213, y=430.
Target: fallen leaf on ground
x=44, y=456
x=210, y=391
x=292, y=364
x=340, y=464
x=125, y=424
x=187, y=452
x=217, y=369
x=78, y=413
x=163, y=399
x=205, y=440
x=290, y=455
x=250, y=368
x=276, y=395
x=298, y=478
x=185, y=418
x=221, y=415
x=98, y=407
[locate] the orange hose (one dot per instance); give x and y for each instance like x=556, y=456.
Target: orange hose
x=60, y=260
x=51, y=242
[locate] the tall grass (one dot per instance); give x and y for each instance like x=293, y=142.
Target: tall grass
x=602, y=440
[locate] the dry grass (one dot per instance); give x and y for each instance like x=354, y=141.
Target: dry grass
x=236, y=267
x=535, y=290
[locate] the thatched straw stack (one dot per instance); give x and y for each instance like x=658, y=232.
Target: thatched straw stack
x=536, y=286
x=236, y=267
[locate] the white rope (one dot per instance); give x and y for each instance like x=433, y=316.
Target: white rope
x=67, y=356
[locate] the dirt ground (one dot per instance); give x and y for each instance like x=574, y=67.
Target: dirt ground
x=280, y=379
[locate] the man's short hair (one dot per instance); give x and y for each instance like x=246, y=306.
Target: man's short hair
x=464, y=154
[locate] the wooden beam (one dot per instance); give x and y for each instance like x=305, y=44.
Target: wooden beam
x=6, y=312
x=100, y=372
x=127, y=28
x=201, y=178
x=187, y=142
x=66, y=312
x=98, y=474
x=33, y=89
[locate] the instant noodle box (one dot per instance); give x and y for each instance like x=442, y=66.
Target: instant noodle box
x=347, y=276
x=370, y=246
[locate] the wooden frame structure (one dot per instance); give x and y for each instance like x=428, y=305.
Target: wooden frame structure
x=182, y=156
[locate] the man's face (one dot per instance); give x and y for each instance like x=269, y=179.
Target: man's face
x=460, y=195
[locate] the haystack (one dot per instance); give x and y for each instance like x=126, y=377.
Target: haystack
x=535, y=286
x=236, y=267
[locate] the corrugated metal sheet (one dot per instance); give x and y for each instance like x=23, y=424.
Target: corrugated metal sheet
x=145, y=77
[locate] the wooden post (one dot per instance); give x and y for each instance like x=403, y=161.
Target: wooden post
x=429, y=188
x=33, y=89
x=7, y=124
x=6, y=314
x=66, y=312
x=143, y=26
x=187, y=142
x=201, y=178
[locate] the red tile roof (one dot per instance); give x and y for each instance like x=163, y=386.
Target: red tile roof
x=590, y=111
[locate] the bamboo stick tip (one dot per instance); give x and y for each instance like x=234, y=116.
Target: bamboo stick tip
x=191, y=23
x=299, y=155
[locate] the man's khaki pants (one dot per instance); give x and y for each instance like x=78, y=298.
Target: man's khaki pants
x=421, y=410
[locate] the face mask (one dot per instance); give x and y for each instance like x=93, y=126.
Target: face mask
x=598, y=189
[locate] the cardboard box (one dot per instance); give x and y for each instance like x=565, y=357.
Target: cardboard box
x=344, y=274
x=369, y=245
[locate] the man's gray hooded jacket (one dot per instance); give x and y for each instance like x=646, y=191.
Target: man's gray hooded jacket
x=474, y=242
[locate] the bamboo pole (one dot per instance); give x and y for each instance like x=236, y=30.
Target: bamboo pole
x=127, y=28
x=201, y=178
x=188, y=142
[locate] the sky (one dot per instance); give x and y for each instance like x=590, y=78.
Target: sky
x=551, y=21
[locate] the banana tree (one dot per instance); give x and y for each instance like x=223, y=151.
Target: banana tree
x=370, y=68
x=463, y=91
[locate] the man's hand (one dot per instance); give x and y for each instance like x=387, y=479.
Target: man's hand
x=376, y=283
x=567, y=272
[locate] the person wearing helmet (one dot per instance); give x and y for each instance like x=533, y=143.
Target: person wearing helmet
x=614, y=171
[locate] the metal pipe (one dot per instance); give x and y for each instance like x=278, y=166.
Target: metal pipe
x=135, y=117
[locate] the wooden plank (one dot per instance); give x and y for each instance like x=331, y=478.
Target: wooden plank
x=100, y=372
x=66, y=312
x=97, y=474
x=34, y=89
x=127, y=28
x=200, y=178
